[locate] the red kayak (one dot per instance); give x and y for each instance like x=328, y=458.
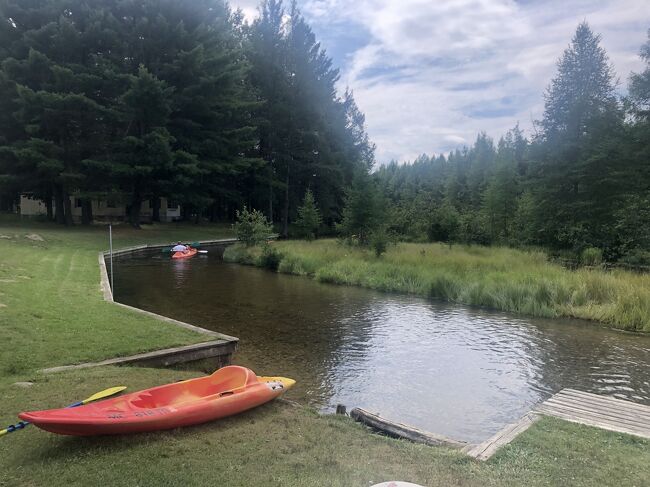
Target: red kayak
x=185, y=254
x=228, y=391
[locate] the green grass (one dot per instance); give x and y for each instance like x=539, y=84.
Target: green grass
x=54, y=315
x=283, y=445
x=494, y=277
x=51, y=310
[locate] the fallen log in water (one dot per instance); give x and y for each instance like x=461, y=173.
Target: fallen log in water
x=399, y=430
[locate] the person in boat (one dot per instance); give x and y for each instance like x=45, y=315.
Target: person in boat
x=179, y=247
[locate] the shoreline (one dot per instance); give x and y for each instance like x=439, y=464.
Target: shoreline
x=492, y=278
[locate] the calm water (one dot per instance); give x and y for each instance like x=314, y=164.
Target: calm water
x=461, y=372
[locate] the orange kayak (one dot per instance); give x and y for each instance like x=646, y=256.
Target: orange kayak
x=228, y=391
x=185, y=254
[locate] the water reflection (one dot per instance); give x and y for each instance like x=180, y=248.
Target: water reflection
x=455, y=371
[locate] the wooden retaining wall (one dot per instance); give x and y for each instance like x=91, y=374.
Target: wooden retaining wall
x=211, y=354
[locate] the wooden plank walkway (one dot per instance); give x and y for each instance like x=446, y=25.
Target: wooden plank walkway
x=599, y=411
x=485, y=450
x=578, y=407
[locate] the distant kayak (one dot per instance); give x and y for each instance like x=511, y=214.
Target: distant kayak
x=228, y=391
x=185, y=254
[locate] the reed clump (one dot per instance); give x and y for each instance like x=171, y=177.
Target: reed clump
x=506, y=279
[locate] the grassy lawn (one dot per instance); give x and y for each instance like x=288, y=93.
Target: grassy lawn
x=494, y=277
x=282, y=445
x=53, y=314
x=51, y=310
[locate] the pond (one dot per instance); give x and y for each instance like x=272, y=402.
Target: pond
x=449, y=369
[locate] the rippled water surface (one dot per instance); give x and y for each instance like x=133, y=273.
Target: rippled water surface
x=456, y=371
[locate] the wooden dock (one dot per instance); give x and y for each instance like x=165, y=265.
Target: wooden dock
x=578, y=407
x=599, y=411
x=489, y=447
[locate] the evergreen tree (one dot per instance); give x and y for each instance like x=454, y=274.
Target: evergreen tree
x=364, y=210
x=640, y=85
x=309, y=219
x=580, y=109
x=500, y=196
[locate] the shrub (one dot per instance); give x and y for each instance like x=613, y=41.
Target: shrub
x=591, y=256
x=309, y=219
x=270, y=257
x=636, y=257
x=379, y=241
x=252, y=227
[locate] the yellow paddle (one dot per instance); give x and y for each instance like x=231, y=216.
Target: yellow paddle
x=95, y=397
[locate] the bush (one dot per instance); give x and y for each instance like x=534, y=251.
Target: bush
x=636, y=257
x=309, y=219
x=270, y=257
x=252, y=227
x=379, y=241
x=591, y=256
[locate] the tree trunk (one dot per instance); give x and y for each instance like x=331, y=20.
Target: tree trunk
x=186, y=212
x=270, y=193
x=214, y=212
x=49, y=208
x=285, y=210
x=59, y=206
x=134, y=211
x=68, y=209
x=155, y=213
x=86, y=211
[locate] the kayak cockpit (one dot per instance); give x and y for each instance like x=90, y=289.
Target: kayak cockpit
x=223, y=382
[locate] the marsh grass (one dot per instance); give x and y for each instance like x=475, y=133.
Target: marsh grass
x=500, y=278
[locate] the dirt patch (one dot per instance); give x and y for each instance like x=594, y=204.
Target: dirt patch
x=35, y=236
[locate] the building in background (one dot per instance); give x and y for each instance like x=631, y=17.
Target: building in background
x=104, y=211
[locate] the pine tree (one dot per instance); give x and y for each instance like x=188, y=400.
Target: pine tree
x=309, y=219
x=144, y=156
x=580, y=110
x=500, y=196
x=364, y=210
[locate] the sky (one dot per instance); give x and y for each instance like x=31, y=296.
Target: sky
x=431, y=74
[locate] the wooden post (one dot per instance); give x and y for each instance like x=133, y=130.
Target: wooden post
x=110, y=244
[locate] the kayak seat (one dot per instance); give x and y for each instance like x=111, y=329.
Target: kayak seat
x=224, y=382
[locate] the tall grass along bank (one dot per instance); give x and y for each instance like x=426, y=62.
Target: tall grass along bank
x=495, y=277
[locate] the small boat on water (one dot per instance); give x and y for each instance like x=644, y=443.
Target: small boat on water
x=227, y=391
x=185, y=254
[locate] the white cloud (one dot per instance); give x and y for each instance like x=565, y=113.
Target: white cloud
x=248, y=7
x=430, y=75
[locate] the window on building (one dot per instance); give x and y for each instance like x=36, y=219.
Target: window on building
x=78, y=203
x=111, y=204
x=172, y=205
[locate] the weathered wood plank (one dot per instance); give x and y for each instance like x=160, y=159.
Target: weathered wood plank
x=221, y=350
x=400, y=430
x=590, y=422
x=618, y=414
x=604, y=400
x=580, y=414
x=489, y=447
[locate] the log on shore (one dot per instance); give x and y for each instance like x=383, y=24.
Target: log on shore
x=400, y=430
